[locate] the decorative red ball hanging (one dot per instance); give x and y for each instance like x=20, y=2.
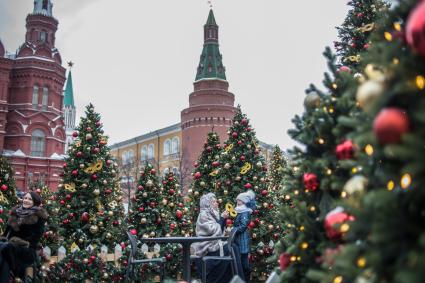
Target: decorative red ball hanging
x=284, y=261
x=334, y=217
x=345, y=150
x=415, y=27
x=310, y=181
x=390, y=125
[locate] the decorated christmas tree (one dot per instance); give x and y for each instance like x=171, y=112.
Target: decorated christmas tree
x=384, y=240
x=242, y=167
x=176, y=219
x=276, y=172
x=51, y=231
x=8, y=197
x=328, y=160
x=205, y=173
x=145, y=217
x=90, y=208
x=82, y=266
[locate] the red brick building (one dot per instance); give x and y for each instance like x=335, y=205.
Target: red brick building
x=32, y=129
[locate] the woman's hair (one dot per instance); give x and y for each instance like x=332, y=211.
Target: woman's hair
x=36, y=199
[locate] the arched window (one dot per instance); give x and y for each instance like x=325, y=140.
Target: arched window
x=175, y=145
x=43, y=36
x=38, y=141
x=131, y=156
x=144, y=153
x=167, y=147
x=124, y=157
x=45, y=98
x=45, y=4
x=151, y=149
x=35, y=96
x=166, y=171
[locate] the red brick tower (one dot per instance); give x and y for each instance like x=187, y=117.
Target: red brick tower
x=5, y=68
x=211, y=105
x=35, y=135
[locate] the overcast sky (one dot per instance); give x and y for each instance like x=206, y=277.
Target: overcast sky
x=136, y=60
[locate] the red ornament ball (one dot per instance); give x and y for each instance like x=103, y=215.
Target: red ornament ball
x=133, y=232
x=415, y=27
x=251, y=224
x=85, y=217
x=4, y=187
x=344, y=69
x=74, y=172
x=94, y=177
x=244, y=121
x=68, y=196
x=229, y=222
x=179, y=214
x=172, y=226
x=141, y=209
x=171, y=191
x=390, y=124
x=345, y=150
x=310, y=181
x=168, y=257
x=264, y=192
x=247, y=186
x=242, y=158
x=215, y=164
x=334, y=217
x=78, y=154
x=153, y=171
x=234, y=135
x=75, y=134
x=284, y=261
x=197, y=175
x=140, y=187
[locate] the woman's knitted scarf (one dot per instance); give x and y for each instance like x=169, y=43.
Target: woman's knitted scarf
x=21, y=215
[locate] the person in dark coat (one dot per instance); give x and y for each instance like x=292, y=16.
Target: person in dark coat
x=24, y=229
x=245, y=203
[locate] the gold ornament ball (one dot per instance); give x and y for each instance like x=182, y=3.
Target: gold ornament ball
x=259, y=164
x=100, y=224
x=227, y=165
x=312, y=100
x=238, y=178
x=254, y=236
x=265, y=205
x=171, y=204
x=108, y=235
x=233, y=158
x=84, y=185
x=81, y=165
x=145, y=236
x=249, y=146
x=260, y=251
x=262, y=222
x=225, y=192
x=81, y=240
x=164, y=201
x=185, y=209
x=152, y=234
x=356, y=184
x=202, y=184
x=255, y=178
x=143, y=220
x=85, y=260
x=105, y=182
x=94, y=229
x=190, y=191
x=270, y=227
x=96, y=192
x=149, y=183
x=196, y=193
x=262, y=180
x=368, y=93
x=68, y=206
x=167, y=235
x=220, y=200
x=145, y=194
x=110, y=213
x=105, y=275
x=163, y=215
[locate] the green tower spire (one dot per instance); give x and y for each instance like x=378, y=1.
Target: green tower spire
x=69, y=92
x=210, y=64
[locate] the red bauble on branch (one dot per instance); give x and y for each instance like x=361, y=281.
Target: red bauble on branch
x=345, y=150
x=415, y=28
x=85, y=217
x=310, y=181
x=197, y=175
x=179, y=214
x=336, y=216
x=390, y=124
x=284, y=261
